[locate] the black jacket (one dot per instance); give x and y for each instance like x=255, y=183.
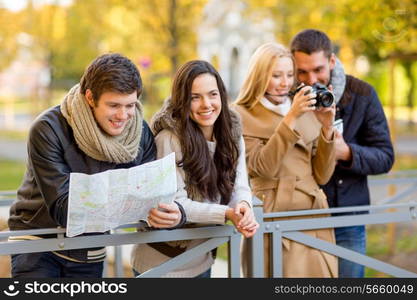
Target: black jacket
x=366, y=132
x=42, y=199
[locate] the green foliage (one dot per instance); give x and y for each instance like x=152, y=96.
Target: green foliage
x=68, y=38
x=222, y=251
x=165, y=33
x=377, y=30
x=407, y=243
x=379, y=78
x=9, y=27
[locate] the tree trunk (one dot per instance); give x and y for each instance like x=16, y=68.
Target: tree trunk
x=173, y=30
x=410, y=96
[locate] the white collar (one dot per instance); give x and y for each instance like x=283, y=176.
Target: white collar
x=281, y=109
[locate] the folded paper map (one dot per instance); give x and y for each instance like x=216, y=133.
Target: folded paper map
x=106, y=200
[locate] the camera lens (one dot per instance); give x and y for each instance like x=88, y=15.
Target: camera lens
x=326, y=99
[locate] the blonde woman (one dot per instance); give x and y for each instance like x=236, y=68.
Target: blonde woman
x=289, y=152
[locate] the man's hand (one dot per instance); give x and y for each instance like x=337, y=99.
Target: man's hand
x=165, y=216
x=343, y=151
x=325, y=115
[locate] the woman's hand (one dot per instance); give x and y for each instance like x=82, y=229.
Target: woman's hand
x=302, y=102
x=243, y=219
x=165, y=216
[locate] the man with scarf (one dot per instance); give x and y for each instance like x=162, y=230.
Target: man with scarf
x=363, y=145
x=97, y=127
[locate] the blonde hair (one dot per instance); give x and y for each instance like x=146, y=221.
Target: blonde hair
x=259, y=73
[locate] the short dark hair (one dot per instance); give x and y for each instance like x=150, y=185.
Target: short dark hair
x=310, y=41
x=111, y=73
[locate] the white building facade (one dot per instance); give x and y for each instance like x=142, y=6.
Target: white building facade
x=228, y=36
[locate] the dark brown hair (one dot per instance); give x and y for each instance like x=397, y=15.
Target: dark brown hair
x=310, y=41
x=111, y=73
x=210, y=176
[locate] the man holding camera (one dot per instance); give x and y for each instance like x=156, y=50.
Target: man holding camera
x=363, y=145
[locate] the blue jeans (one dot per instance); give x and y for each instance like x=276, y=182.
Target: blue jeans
x=206, y=274
x=49, y=265
x=353, y=238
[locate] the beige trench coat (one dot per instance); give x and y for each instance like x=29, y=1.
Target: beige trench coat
x=285, y=167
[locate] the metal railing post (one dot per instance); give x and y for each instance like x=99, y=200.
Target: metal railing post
x=256, y=243
x=118, y=263
x=276, y=252
x=234, y=255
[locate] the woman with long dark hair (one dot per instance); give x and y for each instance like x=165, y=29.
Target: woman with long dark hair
x=197, y=124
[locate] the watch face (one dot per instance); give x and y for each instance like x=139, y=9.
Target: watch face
x=338, y=125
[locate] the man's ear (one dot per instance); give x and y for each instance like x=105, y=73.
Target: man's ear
x=89, y=97
x=332, y=61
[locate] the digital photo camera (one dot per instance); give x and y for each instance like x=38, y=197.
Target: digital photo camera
x=324, y=98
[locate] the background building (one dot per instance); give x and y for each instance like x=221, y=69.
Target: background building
x=227, y=37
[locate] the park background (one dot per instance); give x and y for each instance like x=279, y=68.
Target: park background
x=45, y=45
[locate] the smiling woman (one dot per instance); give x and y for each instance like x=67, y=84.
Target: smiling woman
x=212, y=185
x=290, y=151
x=206, y=104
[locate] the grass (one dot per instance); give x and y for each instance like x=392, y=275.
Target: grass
x=405, y=162
x=11, y=174
x=401, y=252
x=14, y=135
